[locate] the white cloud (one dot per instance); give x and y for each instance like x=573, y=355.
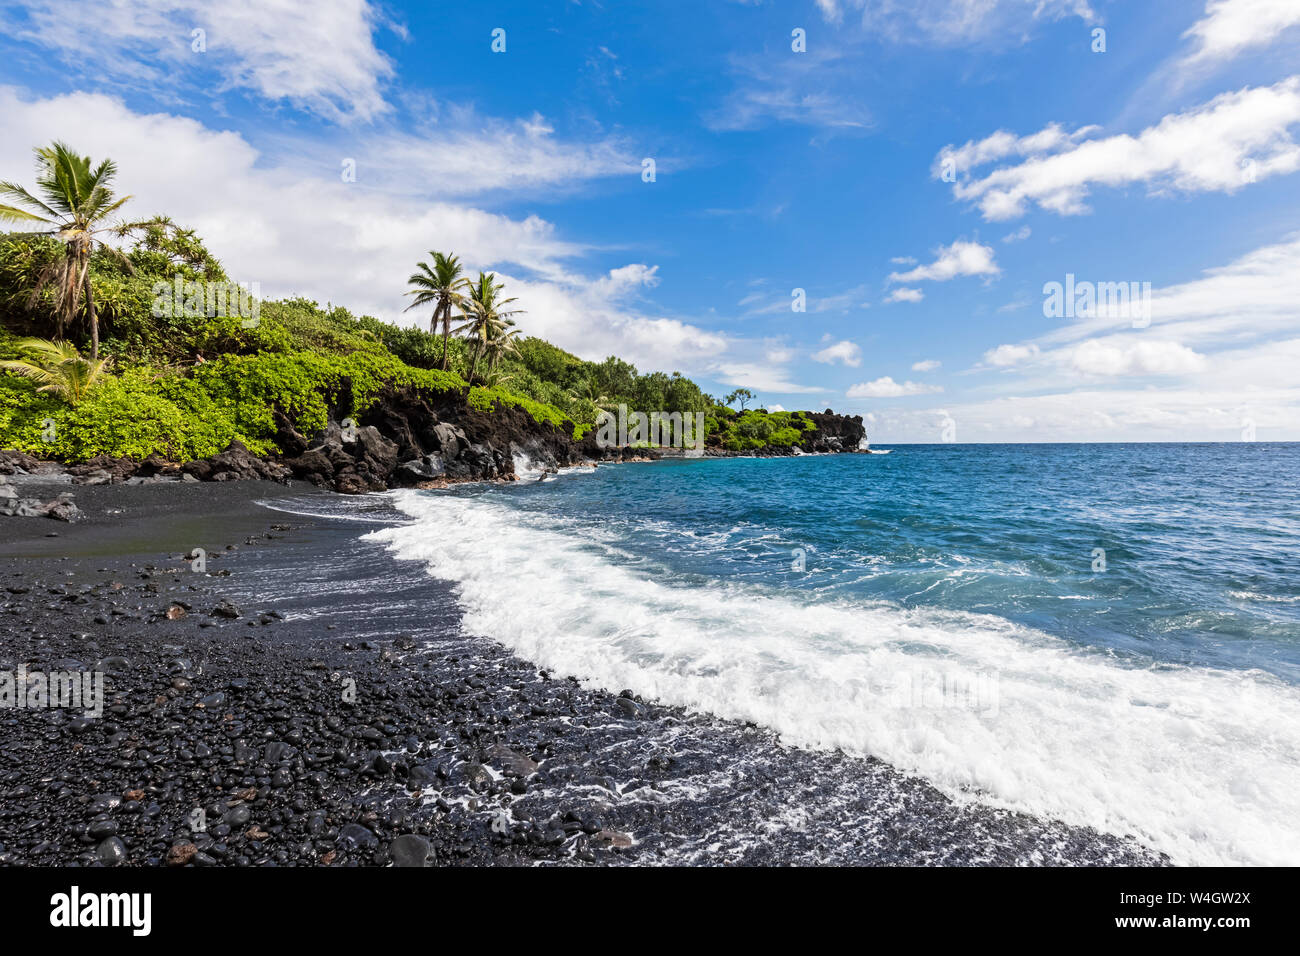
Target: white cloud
x=903, y=294
x=468, y=155
x=1237, y=389
x=886, y=387
x=927, y=365
x=625, y=279
x=841, y=302
x=300, y=234
x=1256, y=295
x=1223, y=145
x=953, y=22
x=319, y=56
x=1223, y=347
x=1220, y=354
x=1005, y=356
x=775, y=304
x=999, y=145
x=596, y=318
x=760, y=377
x=830, y=10
x=1020, y=235
x=845, y=352
x=752, y=108
x=1231, y=27
x=1135, y=356
x=798, y=89
x=959, y=259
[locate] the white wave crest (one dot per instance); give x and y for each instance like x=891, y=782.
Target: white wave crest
x=1201, y=763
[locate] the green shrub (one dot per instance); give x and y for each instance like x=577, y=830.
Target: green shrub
x=126, y=415
x=485, y=398
x=308, y=326
x=418, y=348
x=548, y=363
x=23, y=413
x=22, y=260
x=758, y=428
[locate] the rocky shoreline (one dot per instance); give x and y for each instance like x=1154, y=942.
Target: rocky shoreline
x=405, y=439
x=306, y=700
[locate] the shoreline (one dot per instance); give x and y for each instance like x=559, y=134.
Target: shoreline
x=244, y=719
x=41, y=487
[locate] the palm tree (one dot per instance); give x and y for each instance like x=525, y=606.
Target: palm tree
x=591, y=390
x=441, y=286
x=496, y=377
x=58, y=368
x=486, y=322
x=500, y=343
x=76, y=202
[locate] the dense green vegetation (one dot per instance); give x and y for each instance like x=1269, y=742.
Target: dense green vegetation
x=181, y=372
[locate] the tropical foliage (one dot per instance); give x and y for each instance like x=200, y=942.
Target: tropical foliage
x=441, y=286
x=488, y=323
x=74, y=203
x=57, y=368
x=183, y=384
x=740, y=398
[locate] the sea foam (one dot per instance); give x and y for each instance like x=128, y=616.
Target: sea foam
x=1201, y=763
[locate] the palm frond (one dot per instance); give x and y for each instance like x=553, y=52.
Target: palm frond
x=29, y=370
x=58, y=368
x=14, y=191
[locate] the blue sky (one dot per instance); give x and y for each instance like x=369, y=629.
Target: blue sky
x=1170, y=159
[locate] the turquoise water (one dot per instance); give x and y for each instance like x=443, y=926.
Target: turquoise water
x=1108, y=635
x=1201, y=542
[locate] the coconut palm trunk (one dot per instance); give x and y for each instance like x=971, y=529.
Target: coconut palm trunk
x=91, y=314
x=446, y=332
x=473, y=365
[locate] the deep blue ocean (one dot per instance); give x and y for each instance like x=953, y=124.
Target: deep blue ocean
x=1201, y=542
x=1105, y=634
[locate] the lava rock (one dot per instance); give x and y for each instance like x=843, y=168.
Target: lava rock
x=410, y=850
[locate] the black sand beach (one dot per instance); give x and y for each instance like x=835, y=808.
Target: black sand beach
x=332, y=712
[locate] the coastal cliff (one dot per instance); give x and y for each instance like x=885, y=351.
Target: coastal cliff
x=410, y=437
